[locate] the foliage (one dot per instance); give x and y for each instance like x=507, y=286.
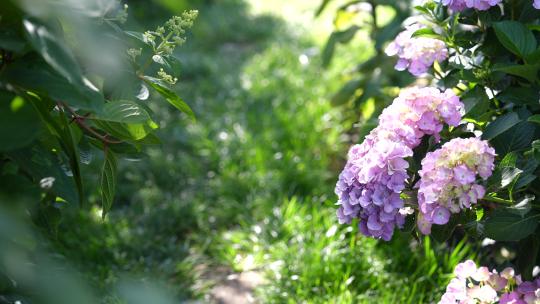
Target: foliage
x=371, y=83
x=493, y=66
x=70, y=87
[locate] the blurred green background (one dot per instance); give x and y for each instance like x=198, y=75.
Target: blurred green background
x=239, y=206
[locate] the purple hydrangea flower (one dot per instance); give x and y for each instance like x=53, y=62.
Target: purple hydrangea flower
x=474, y=284
x=376, y=171
x=460, y=5
x=417, y=54
x=536, y=4
x=447, y=179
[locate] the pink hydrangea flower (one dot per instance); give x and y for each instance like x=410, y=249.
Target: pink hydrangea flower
x=459, y=5
x=448, y=180
x=479, y=285
x=376, y=171
x=416, y=54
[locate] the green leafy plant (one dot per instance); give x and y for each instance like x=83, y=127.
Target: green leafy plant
x=73, y=82
x=492, y=65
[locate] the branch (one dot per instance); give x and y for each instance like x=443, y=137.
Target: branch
x=80, y=121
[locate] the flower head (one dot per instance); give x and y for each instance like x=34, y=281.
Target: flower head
x=417, y=54
x=376, y=171
x=460, y=5
x=479, y=285
x=448, y=179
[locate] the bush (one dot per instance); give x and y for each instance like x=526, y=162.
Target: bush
x=472, y=174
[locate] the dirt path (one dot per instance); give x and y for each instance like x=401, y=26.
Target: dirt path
x=235, y=288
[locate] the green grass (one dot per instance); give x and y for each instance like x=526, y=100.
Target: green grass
x=308, y=258
x=250, y=184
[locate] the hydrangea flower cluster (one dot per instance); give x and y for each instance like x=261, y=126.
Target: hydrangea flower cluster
x=536, y=4
x=459, y=5
x=417, y=54
x=479, y=285
x=448, y=179
x=370, y=184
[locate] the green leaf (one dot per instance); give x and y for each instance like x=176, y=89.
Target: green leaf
x=321, y=7
x=69, y=142
x=520, y=96
x=40, y=162
x=503, y=225
x=169, y=95
x=505, y=173
x=528, y=166
x=523, y=207
x=501, y=124
x=108, y=181
x=128, y=132
x=534, y=118
x=427, y=32
x=508, y=175
x=516, y=138
x=124, y=111
x=32, y=74
x=476, y=104
x=526, y=262
x=335, y=38
x=516, y=37
x=19, y=122
x=139, y=36
x=526, y=71
x=533, y=58
x=53, y=50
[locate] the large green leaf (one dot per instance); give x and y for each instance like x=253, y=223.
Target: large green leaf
x=500, y=125
x=108, y=181
x=526, y=71
x=505, y=173
x=477, y=104
x=528, y=166
x=427, y=32
x=527, y=262
x=336, y=38
x=169, y=95
x=41, y=163
x=69, y=141
x=19, y=122
x=32, y=74
x=516, y=37
x=520, y=96
x=518, y=137
x=503, y=225
x=127, y=132
x=123, y=111
x=53, y=50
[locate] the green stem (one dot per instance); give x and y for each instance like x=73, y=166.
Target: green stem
x=497, y=200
